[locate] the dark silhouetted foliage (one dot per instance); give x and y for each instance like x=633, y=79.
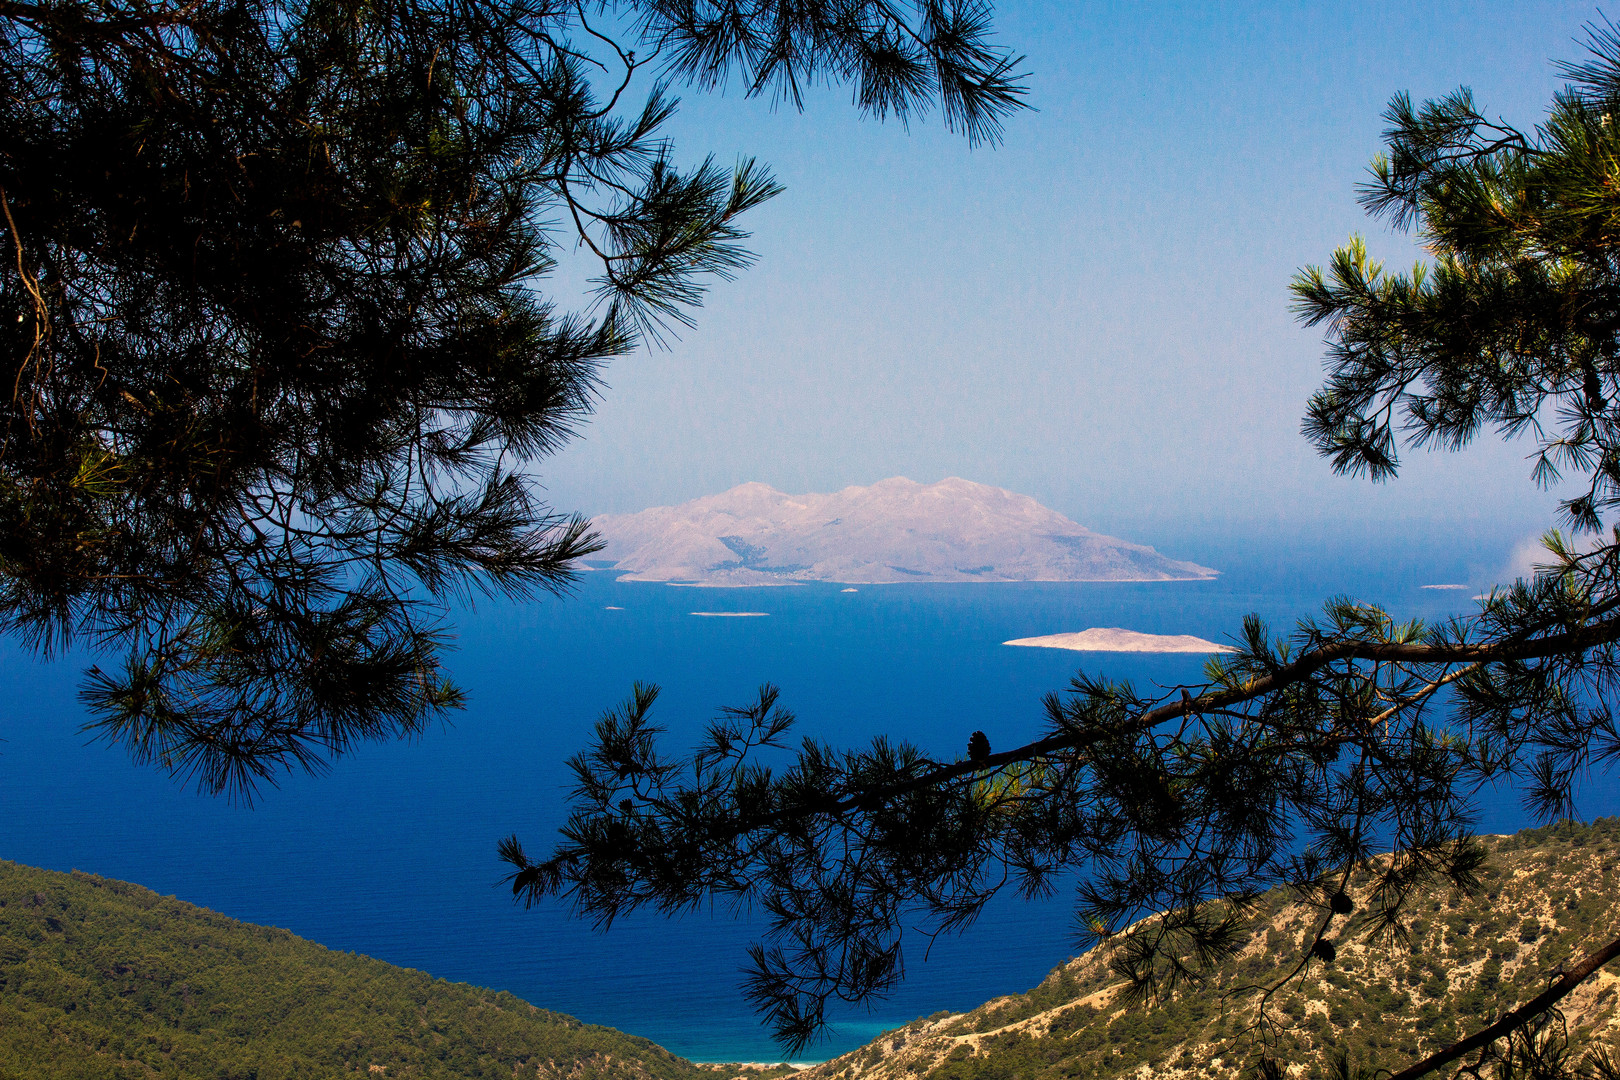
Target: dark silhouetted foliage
x=281, y=362
x=1302, y=757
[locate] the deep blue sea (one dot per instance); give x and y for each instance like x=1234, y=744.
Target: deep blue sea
x=392, y=852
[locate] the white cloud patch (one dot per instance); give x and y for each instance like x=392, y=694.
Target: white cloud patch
x=1530, y=555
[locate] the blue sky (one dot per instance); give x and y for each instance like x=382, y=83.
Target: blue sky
x=1094, y=313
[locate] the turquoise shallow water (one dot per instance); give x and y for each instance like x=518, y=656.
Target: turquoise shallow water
x=392, y=852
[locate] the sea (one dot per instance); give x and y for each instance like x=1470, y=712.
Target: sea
x=392, y=851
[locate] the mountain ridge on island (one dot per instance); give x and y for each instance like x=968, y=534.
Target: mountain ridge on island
x=892, y=531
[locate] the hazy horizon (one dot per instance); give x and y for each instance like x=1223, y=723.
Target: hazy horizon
x=1096, y=312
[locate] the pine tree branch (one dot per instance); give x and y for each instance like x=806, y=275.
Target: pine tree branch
x=1518, y=1017
x=1284, y=676
x=81, y=23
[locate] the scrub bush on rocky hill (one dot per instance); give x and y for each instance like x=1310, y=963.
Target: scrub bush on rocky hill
x=1546, y=897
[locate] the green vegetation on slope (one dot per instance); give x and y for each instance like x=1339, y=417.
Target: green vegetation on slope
x=104, y=980
x=1546, y=897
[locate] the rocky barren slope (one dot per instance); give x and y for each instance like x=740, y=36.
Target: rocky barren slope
x=892, y=531
x=1546, y=897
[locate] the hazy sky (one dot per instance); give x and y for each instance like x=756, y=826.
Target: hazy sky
x=1094, y=313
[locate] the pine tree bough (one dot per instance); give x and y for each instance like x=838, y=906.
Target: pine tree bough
x=1599, y=633
x=1516, y=1018
x=1355, y=744
x=282, y=365
x=1178, y=811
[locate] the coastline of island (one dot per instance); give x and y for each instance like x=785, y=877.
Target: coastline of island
x=1115, y=639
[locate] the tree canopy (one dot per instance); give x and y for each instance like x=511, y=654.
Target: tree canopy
x=1352, y=744
x=282, y=358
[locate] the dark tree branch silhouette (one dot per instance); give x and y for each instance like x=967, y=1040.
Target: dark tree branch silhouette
x=1355, y=744
x=282, y=362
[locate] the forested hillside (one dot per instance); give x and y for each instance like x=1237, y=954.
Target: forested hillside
x=1545, y=896
x=101, y=979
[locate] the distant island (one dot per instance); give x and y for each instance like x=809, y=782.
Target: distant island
x=1113, y=639
x=893, y=531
